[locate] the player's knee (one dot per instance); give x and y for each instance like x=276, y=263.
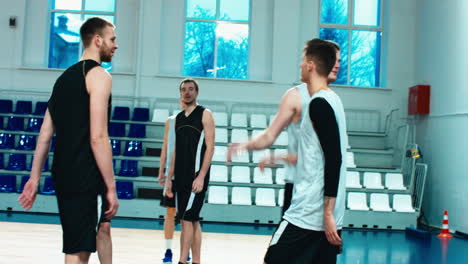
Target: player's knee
x=170, y=213
x=104, y=230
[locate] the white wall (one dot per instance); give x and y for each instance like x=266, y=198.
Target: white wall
x=149, y=60
x=442, y=63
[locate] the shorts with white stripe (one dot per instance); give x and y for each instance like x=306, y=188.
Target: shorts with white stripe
x=80, y=216
x=295, y=245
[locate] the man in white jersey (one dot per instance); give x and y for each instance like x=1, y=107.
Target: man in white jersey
x=289, y=115
x=309, y=232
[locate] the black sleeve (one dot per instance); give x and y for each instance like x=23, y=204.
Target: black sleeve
x=324, y=122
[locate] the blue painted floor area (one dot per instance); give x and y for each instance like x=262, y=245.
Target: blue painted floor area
x=398, y=247
x=360, y=246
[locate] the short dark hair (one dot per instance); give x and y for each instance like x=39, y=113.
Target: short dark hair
x=322, y=53
x=334, y=44
x=91, y=27
x=189, y=80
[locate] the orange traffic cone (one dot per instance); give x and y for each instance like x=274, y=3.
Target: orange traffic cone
x=445, y=229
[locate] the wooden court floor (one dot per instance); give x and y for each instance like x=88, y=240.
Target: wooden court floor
x=42, y=243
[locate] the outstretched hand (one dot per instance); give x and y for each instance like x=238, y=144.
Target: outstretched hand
x=28, y=196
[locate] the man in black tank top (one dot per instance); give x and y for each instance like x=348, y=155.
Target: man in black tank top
x=78, y=113
x=191, y=161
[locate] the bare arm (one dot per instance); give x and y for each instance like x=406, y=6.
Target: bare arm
x=163, y=157
x=209, y=128
x=99, y=85
x=329, y=220
x=28, y=196
x=287, y=110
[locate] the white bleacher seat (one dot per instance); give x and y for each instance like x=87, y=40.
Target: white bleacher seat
x=220, y=118
x=282, y=139
x=160, y=115
x=256, y=132
x=259, y=155
x=218, y=195
x=240, y=174
x=380, y=202
x=265, y=197
x=219, y=173
x=281, y=197
x=221, y=135
x=350, y=160
x=258, y=121
x=353, y=179
x=372, y=180
x=220, y=153
x=239, y=135
x=357, y=201
x=241, y=196
x=262, y=177
x=394, y=181
x=280, y=175
x=402, y=203
x=239, y=120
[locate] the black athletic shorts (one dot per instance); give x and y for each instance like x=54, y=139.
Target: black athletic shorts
x=294, y=245
x=288, y=190
x=80, y=216
x=169, y=202
x=189, y=205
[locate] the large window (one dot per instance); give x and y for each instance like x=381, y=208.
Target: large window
x=217, y=38
x=66, y=18
x=356, y=25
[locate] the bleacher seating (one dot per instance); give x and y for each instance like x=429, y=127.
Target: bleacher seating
x=26, y=142
x=380, y=202
x=241, y=196
x=48, y=188
x=7, y=183
x=218, y=195
x=125, y=190
x=16, y=162
x=121, y=113
x=265, y=197
x=357, y=201
x=239, y=120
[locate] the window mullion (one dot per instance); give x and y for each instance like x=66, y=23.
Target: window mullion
x=350, y=37
x=215, y=48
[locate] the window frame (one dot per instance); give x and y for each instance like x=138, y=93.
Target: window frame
x=216, y=20
x=82, y=14
x=350, y=27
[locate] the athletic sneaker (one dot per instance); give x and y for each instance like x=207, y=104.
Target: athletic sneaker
x=167, y=256
x=189, y=260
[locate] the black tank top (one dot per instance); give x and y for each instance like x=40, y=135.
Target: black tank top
x=188, y=132
x=74, y=168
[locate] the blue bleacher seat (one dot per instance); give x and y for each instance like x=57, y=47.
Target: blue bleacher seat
x=129, y=168
x=113, y=164
x=48, y=187
x=41, y=108
x=6, y=106
x=124, y=189
x=121, y=113
x=15, y=123
x=7, y=183
x=7, y=141
x=17, y=162
x=2, y=161
x=23, y=107
x=44, y=169
x=133, y=148
x=116, y=129
x=137, y=131
x=115, y=145
x=26, y=142
x=140, y=114
x=34, y=124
